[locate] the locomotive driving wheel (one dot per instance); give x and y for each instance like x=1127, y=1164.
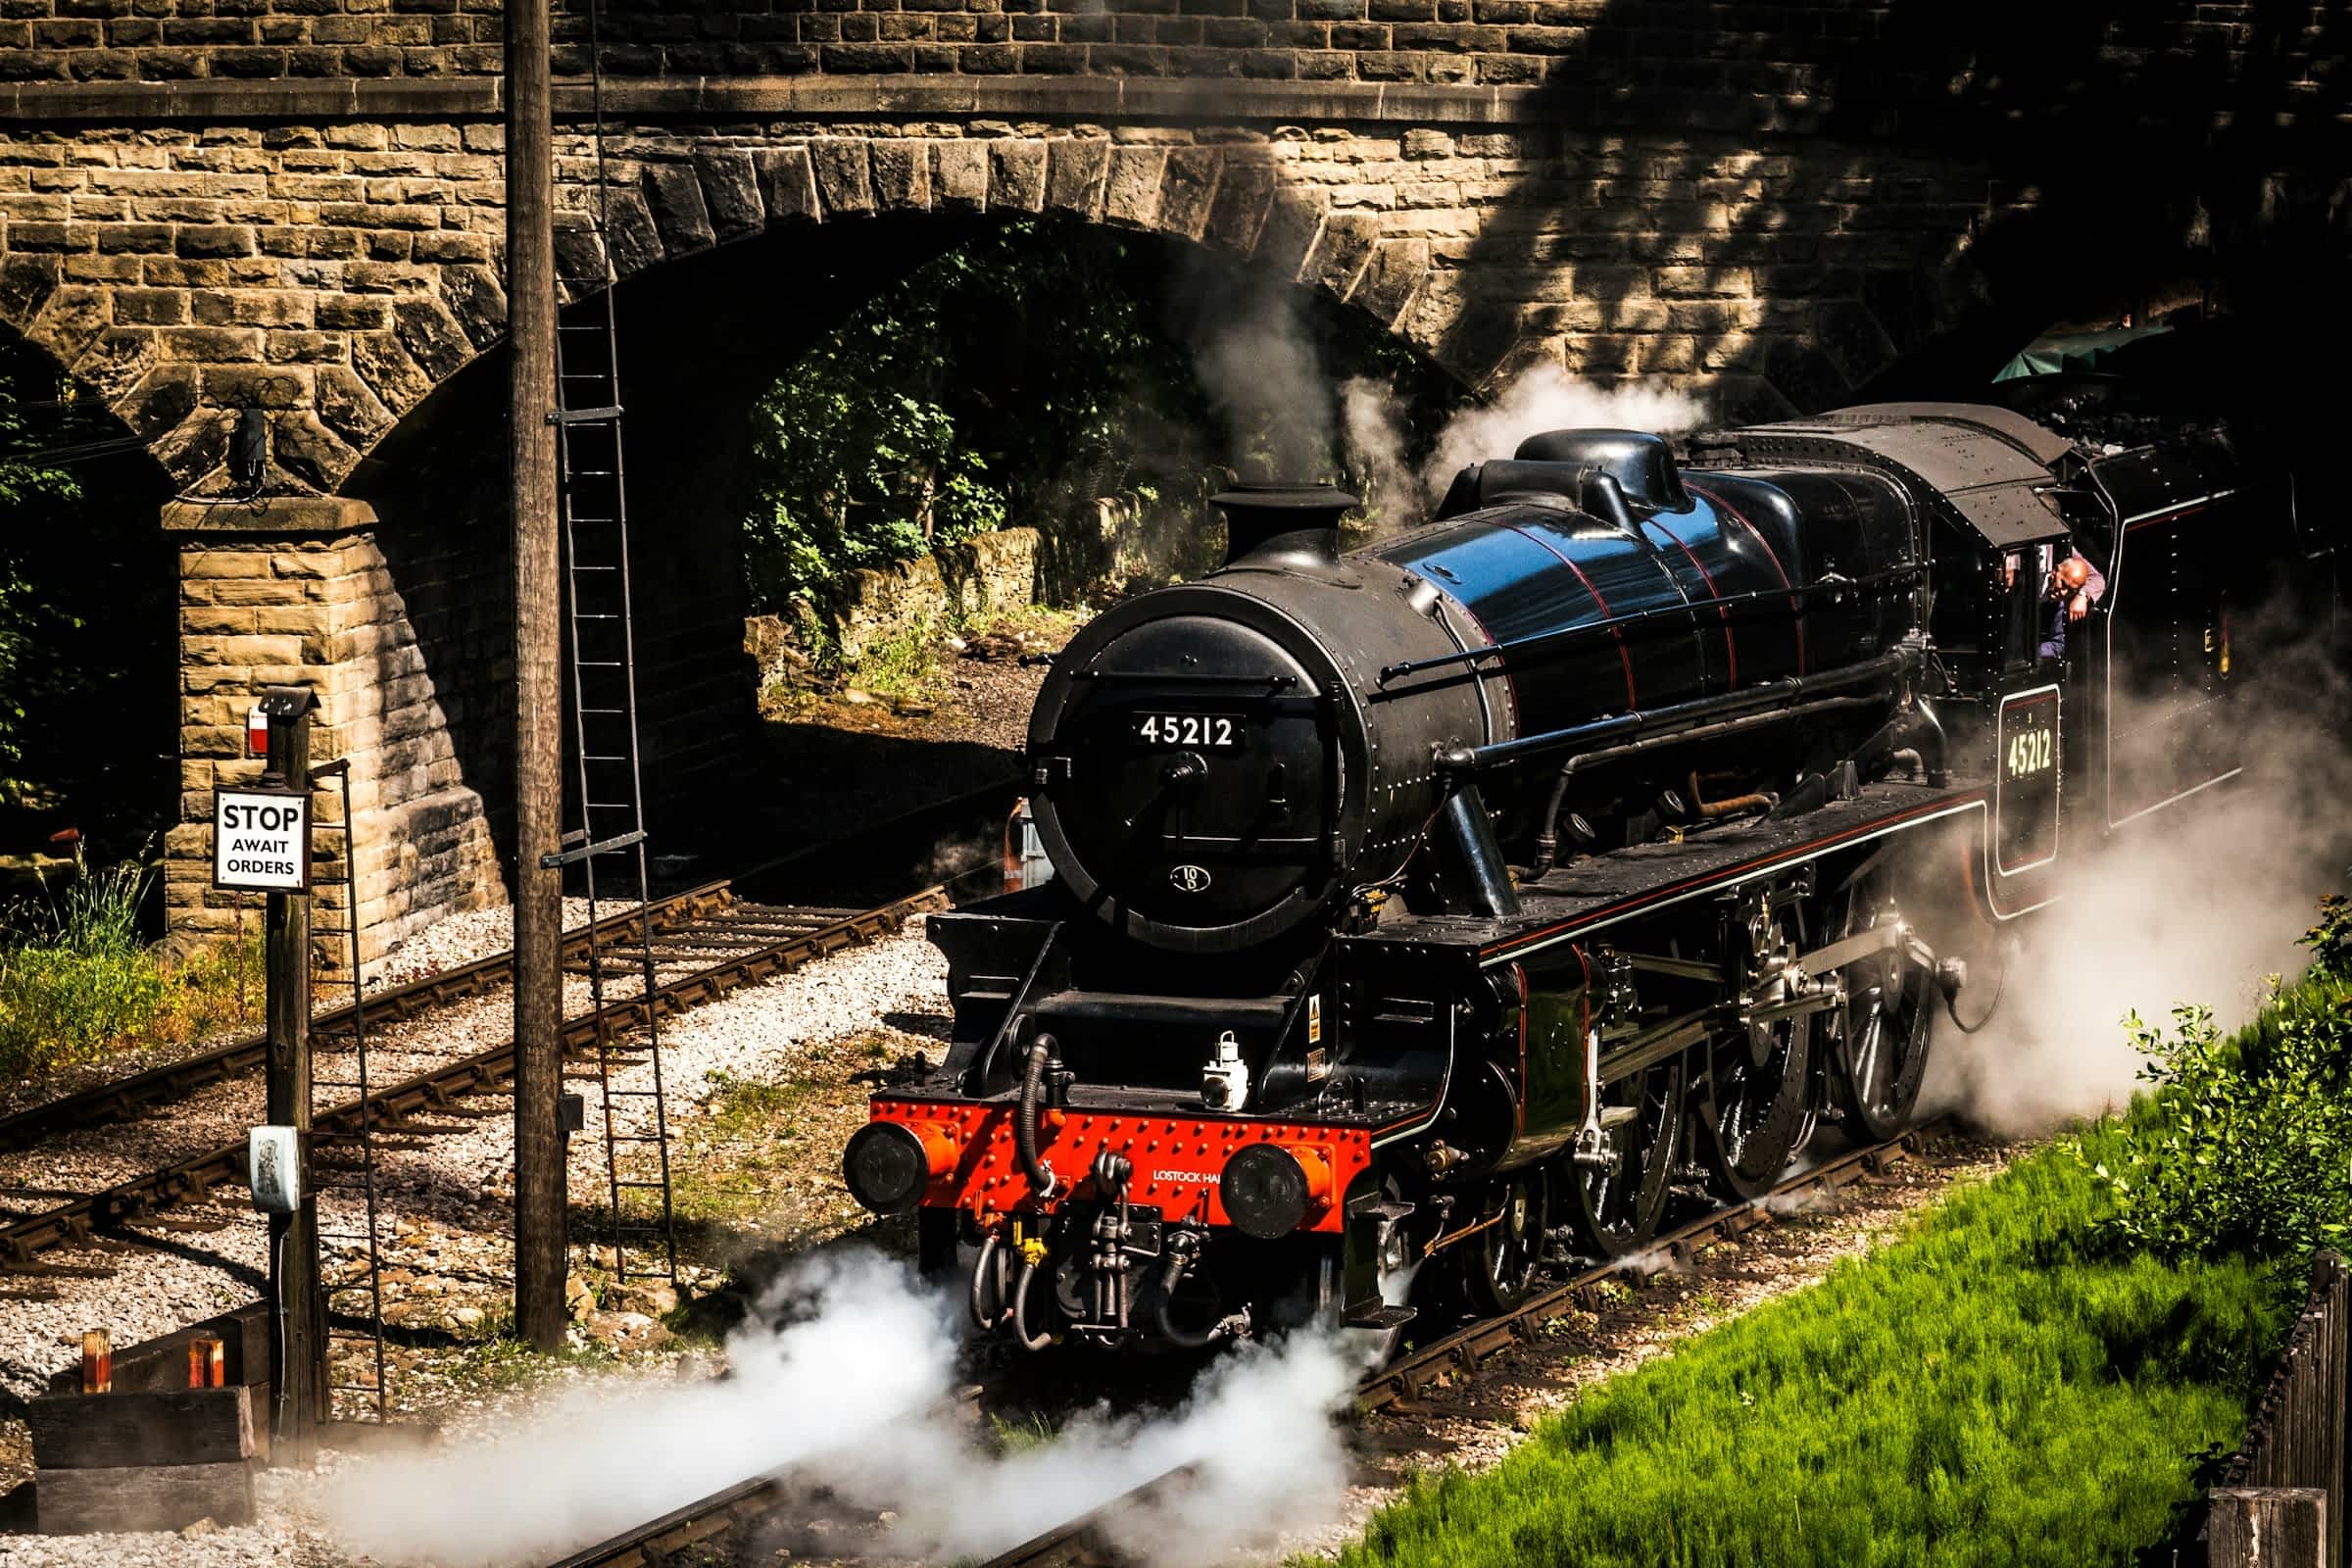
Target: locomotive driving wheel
x=1752, y=1109
x=1615, y=1203
x=1889, y=1021
x=1503, y=1259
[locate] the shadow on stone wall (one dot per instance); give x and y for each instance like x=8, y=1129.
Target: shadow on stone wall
x=1895, y=206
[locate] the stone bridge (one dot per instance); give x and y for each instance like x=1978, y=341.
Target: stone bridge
x=295, y=205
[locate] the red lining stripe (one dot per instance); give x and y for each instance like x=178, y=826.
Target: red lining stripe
x=1731, y=644
x=2155, y=517
x=1624, y=655
x=1510, y=684
x=1520, y=972
x=1765, y=544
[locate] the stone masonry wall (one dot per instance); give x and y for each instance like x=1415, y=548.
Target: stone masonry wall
x=296, y=205
x=322, y=612
x=1717, y=64
x=335, y=275
x=991, y=571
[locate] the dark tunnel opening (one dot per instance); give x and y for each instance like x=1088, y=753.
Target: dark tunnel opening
x=89, y=624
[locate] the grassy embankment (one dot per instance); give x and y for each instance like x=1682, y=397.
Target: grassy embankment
x=77, y=983
x=2033, y=1374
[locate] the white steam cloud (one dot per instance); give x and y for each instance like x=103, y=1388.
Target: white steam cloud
x=1542, y=398
x=842, y=1380
x=2198, y=902
x=1258, y=1434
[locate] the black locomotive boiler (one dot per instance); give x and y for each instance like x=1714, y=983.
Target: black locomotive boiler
x=1426, y=907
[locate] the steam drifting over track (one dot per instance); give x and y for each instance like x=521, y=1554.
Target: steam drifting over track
x=1091, y=1539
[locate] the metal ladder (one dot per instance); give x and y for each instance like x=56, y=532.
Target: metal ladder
x=600, y=637
x=350, y=1399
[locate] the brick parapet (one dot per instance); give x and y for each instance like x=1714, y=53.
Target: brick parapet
x=1708, y=62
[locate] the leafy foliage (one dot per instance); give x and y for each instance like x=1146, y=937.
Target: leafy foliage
x=86, y=615
x=32, y=491
x=76, y=982
x=2246, y=1146
x=1017, y=379
x=983, y=379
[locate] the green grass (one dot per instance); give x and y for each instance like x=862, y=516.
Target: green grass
x=76, y=984
x=757, y=1164
x=2043, y=1369
x=1991, y=1389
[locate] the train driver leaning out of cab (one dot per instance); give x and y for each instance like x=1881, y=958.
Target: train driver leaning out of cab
x=2072, y=587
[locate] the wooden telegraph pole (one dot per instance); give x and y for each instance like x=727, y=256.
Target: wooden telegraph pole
x=539, y=1186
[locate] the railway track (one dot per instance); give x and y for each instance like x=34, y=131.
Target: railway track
x=1085, y=1541
x=105, y=1103
x=744, y=942
x=722, y=942
x=110, y=1103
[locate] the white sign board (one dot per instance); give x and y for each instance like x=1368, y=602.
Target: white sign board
x=261, y=840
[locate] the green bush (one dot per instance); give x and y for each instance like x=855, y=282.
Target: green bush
x=77, y=983
x=2246, y=1146
x=1022, y=377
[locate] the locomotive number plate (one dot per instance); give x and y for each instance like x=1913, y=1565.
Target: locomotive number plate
x=2028, y=786
x=1211, y=732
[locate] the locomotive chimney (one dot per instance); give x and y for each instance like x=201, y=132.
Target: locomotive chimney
x=1284, y=525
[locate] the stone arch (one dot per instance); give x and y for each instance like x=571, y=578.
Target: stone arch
x=404, y=627
x=670, y=198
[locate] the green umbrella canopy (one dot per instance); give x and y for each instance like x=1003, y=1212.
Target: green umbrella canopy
x=2060, y=353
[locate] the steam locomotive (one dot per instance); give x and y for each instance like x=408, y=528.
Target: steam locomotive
x=1430, y=907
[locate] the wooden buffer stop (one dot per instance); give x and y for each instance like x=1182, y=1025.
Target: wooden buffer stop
x=145, y=1450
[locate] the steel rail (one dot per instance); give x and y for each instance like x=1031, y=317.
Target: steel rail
x=655, y=1542
x=1084, y=1542
x=194, y=1179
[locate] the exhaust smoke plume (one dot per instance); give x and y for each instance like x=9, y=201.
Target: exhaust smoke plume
x=2199, y=901
x=1372, y=428
x=1258, y=362
x=842, y=1378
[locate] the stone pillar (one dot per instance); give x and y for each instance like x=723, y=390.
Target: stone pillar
x=294, y=591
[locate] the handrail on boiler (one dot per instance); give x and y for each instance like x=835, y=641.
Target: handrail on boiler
x=1786, y=691
x=1694, y=608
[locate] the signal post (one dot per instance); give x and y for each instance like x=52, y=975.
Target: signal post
x=261, y=841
